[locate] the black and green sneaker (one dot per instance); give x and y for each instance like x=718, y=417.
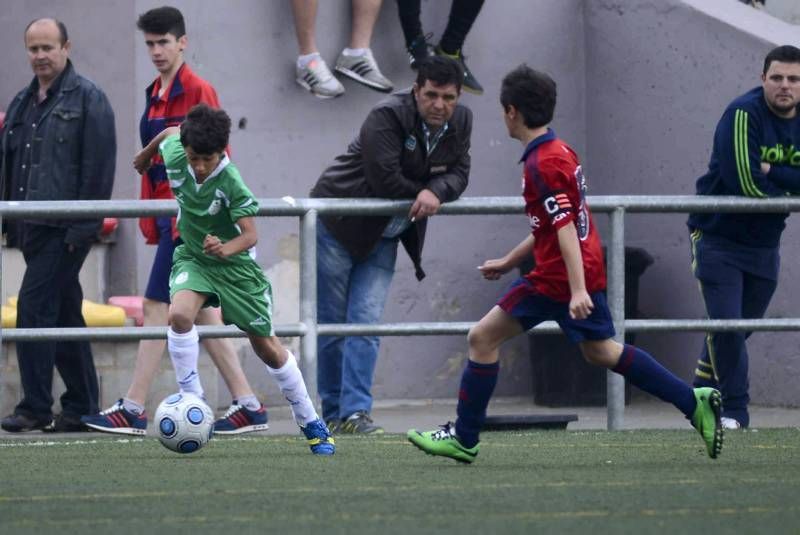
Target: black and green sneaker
x=333, y=425
x=443, y=442
x=359, y=423
x=470, y=83
x=707, y=419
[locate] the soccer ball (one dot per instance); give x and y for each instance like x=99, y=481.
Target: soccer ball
x=184, y=422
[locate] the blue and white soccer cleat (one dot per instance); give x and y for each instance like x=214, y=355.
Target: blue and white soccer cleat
x=239, y=419
x=319, y=438
x=116, y=419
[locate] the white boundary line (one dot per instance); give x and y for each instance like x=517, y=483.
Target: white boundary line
x=22, y=443
x=46, y=443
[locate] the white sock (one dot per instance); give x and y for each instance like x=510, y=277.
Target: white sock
x=251, y=402
x=291, y=383
x=184, y=350
x=132, y=406
x=305, y=59
x=354, y=51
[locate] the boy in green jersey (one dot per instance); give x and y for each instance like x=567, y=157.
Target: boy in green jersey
x=215, y=265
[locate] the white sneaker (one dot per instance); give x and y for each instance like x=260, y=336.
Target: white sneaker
x=730, y=423
x=317, y=78
x=365, y=70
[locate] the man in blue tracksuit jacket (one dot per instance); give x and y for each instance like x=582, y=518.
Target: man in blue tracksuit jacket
x=735, y=256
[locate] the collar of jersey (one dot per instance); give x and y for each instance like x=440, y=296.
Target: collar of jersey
x=223, y=163
x=175, y=86
x=550, y=135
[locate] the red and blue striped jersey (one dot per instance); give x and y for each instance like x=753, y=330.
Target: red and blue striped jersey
x=170, y=109
x=554, y=189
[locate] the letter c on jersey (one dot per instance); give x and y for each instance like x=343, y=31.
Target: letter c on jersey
x=551, y=205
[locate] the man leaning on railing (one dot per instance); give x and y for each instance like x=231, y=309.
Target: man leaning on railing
x=413, y=145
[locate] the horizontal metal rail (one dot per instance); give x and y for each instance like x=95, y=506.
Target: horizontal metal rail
x=127, y=334
x=309, y=209
x=289, y=207
x=293, y=330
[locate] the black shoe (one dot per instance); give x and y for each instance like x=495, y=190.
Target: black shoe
x=359, y=423
x=419, y=49
x=19, y=423
x=65, y=424
x=470, y=83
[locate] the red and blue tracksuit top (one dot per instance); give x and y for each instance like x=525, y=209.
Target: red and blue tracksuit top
x=170, y=109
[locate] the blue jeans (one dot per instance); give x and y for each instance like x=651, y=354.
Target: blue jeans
x=349, y=291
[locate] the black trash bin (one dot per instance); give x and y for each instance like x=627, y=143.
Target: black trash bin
x=561, y=377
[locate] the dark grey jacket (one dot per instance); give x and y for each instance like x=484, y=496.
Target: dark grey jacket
x=388, y=159
x=74, y=150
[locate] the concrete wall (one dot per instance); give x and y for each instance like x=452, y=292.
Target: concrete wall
x=659, y=76
x=102, y=50
x=246, y=49
x=641, y=85
x=788, y=10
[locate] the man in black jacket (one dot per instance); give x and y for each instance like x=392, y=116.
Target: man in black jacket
x=411, y=146
x=58, y=143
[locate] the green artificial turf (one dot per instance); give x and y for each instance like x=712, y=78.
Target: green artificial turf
x=531, y=482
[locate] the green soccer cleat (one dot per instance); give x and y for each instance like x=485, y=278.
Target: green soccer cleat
x=707, y=420
x=443, y=442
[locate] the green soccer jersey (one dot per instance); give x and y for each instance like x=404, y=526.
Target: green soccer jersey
x=212, y=207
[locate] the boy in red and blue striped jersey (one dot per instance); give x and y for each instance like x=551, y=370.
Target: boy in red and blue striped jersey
x=567, y=285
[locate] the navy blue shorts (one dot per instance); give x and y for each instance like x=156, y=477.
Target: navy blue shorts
x=158, y=284
x=530, y=308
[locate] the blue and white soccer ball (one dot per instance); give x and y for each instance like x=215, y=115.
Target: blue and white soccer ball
x=184, y=422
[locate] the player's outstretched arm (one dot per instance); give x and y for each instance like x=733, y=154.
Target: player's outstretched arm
x=143, y=158
x=213, y=246
x=580, y=304
x=495, y=268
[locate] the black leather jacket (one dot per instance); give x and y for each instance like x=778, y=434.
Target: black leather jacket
x=388, y=159
x=74, y=150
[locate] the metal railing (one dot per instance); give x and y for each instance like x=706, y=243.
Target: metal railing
x=308, y=210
